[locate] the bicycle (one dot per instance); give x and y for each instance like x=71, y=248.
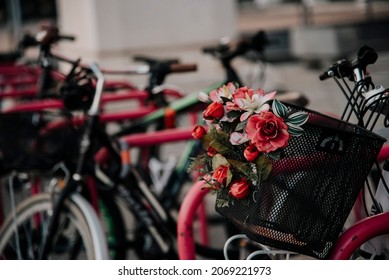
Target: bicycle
x=79, y=234
x=275, y=223
x=253, y=50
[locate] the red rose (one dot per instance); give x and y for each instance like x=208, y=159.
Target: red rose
x=239, y=188
x=211, y=151
x=267, y=132
x=214, y=111
x=251, y=152
x=219, y=176
x=198, y=132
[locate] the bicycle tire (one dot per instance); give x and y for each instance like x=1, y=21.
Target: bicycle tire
x=78, y=220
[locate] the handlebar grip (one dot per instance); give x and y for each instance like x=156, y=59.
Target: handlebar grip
x=324, y=76
x=181, y=68
x=66, y=37
x=208, y=49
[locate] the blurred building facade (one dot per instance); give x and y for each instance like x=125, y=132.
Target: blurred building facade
x=106, y=28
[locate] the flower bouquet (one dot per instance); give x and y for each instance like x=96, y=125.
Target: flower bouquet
x=245, y=129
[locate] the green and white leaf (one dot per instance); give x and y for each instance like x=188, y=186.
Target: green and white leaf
x=279, y=109
x=297, y=119
x=295, y=130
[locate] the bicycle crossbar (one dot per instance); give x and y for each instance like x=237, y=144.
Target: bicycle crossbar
x=149, y=139
x=36, y=106
x=18, y=93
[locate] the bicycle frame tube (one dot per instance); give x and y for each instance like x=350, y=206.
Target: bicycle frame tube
x=349, y=241
x=185, y=238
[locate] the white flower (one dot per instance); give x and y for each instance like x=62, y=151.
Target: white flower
x=256, y=104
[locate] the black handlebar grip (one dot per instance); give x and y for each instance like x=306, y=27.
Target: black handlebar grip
x=367, y=55
x=324, y=76
x=66, y=37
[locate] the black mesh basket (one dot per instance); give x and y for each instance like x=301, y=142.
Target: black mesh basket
x=304, y=203
x=36, y=141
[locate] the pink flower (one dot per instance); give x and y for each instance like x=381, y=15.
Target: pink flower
x=198, y=132
x=239, y=188
x=237, y=138
x=225, y=91
x=251, y=152
x=267, y=132
x=243, y=92
x=219, y=176
x=214, y=111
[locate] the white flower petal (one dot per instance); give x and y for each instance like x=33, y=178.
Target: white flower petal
x=203, y=97
x=245, y=115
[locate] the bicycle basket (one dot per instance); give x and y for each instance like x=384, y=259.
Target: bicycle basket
x=27, y=143
x=304, y=203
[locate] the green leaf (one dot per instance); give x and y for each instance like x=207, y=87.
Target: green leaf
x=225, y=99
x=297, y=119
x=218, y=141
x=295, y=130
x=240, y=166
x=223, y=149
x=233, y=114
x=279, y=109
x=218, y=160
x=220, y=203
x=276, y=155
x=263, y=165
x=241, y=125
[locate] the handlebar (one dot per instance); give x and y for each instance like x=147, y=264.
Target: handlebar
x=257, y=42
x=363, y=96
x=152, y=61
x=353, y=70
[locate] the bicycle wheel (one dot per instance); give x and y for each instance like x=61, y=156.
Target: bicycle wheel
x=79, y=234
